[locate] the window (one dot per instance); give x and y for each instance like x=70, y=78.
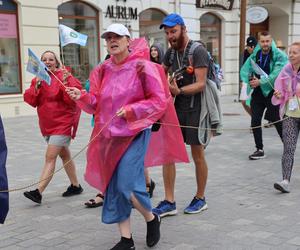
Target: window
x=150, y=20
x=84, y=19
x=10, y=73
x=210, y=34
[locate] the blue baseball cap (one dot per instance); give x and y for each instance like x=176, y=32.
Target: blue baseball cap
x=171, y=20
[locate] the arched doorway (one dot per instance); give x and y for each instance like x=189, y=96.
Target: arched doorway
x=256, y=29
x=277, y=24
x=83, y=18
x=10, y=71
x=150, y=19
x=210, y=34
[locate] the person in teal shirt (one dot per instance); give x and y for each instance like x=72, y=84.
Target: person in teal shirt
x=271, y=60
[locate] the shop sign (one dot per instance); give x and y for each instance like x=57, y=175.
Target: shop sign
x=256, y=14
x=121, y=12
x=8, y=27
x=221, y=4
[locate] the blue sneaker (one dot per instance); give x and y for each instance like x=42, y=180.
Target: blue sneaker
x=196, y=206
x=165, y=208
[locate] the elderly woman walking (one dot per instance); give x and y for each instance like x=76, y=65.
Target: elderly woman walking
x=127, y=95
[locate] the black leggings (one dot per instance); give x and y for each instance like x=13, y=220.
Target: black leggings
x=291, y=127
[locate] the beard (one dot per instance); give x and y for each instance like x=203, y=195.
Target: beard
x=178, y=43
x=266, y=48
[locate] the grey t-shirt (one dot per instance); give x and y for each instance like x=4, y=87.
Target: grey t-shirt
x=200, y=59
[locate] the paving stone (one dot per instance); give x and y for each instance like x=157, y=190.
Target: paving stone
x=261, y=234
x=51, y=235
x=295, y=241
x=241, y=222
x=245, y=212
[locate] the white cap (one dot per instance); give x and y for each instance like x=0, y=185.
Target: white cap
x=116, y=28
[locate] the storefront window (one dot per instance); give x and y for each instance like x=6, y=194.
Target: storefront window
x=150, y=20
x=210, y=34
x=84, y=19
x=10, y=82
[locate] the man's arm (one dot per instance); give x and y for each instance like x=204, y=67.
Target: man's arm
x=198, y=85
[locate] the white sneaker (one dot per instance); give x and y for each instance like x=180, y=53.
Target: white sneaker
x=282, y=186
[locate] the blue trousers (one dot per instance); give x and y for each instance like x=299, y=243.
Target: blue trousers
x=3, y=176
x=128, y=179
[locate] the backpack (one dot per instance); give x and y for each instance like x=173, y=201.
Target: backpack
x=188, y=60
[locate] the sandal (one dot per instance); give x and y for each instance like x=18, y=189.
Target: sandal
x=92, y=203
x=150, y=188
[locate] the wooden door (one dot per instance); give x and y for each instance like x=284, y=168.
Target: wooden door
x=256, y=29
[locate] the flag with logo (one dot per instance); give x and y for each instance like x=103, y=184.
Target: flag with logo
x=68, y=35
x=3, y=177
x=258, y=70
x=37, y=67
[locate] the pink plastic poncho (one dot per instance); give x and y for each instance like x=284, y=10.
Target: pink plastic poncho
x=139, y=86
x=288, y=84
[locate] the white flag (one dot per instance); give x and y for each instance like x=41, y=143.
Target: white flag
x=258, y=70
x=68, y=35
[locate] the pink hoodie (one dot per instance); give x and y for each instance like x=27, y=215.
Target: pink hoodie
x=288, y=84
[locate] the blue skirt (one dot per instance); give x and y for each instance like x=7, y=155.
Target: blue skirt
x=128, y=179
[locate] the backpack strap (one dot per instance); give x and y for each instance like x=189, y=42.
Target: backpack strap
x=191, y=50
x=172, y=57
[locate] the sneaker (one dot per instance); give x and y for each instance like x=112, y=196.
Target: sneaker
x=165, y=208
x=282, y=186
x=34, y=195
x=72, y=190
x=258, y=154
x=124, y=244
x=153, y=231
x=196, y=206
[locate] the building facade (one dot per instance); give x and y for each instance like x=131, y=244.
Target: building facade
x=34, y=24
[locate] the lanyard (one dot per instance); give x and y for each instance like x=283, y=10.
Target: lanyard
x=265, y=61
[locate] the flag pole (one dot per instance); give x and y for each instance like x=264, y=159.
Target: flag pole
x=56, y=77
x=62, y=53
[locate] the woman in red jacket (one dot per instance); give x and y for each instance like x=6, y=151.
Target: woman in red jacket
x=58, y=120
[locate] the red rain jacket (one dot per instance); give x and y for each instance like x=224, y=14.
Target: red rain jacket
x=58, y=114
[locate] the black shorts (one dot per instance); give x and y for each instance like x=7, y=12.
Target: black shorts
x=190, y=135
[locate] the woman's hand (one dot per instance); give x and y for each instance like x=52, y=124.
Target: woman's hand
x=38, y=83
x=277, y=94
x=73, y=92
x=121, y=112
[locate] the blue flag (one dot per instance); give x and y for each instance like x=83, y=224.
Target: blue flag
x=3, y=176
x=68, y=35
x=37, y=67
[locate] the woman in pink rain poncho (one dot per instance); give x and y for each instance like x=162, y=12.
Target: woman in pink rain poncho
x=128, y=93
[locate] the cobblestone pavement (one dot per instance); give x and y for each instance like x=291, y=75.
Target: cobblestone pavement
x=245, y=212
